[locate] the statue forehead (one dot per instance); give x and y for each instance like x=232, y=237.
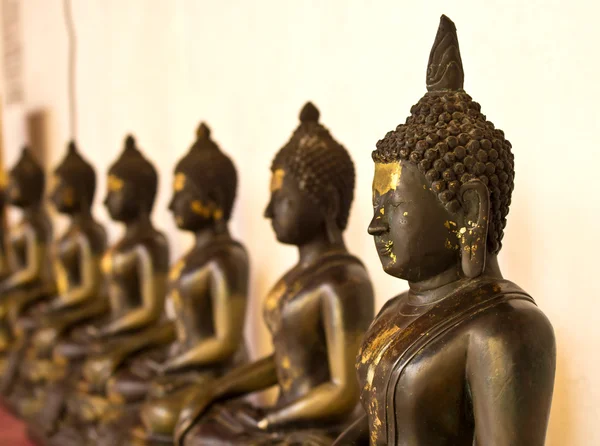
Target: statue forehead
x=387, y=177
x=399, y=178
x=277, y=177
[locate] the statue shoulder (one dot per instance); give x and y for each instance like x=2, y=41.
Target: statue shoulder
x=96, y=236
x=348, y=282
x=231, y=255
x=155, y=243
x=517, y=328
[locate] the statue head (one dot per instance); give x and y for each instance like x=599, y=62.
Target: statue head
x=132, y=184
x=443, y=179
x=74, y=183
x=312, y=184
x=26, y=181
x=204, y=185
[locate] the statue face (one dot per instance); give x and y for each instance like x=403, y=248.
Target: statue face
x=123, y=199
x=415, y=236
x=191, y=208
x=295, y=217
x=63, y=196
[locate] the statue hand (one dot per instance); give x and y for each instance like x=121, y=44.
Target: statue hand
x=253, y=421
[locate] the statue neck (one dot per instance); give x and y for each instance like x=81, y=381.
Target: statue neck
x=205, y=236
x=79, y=217
x=139, y=225
x=319, y=246
x=33, y=211
x=436, y=288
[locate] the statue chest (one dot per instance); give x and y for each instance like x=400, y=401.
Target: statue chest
x=18, y=245
x=412, y=364
x=293, y=314
x=67, y=263
x=120, y=266
x=292, y=308
x=189, y=302
x=429, y=399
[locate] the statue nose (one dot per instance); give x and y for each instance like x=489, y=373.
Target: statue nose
x=378, y=225
x=269, y=210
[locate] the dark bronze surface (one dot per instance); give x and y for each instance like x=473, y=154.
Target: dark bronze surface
x=317, y=312
x=76, y=258
x=135, y=271
x=30, y=280
x=207, y=293
x=464, y=357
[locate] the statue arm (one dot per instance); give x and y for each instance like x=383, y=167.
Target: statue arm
x=89, y=279
x=151, y=297
x=34, y=263
x=510, y=374
x=228, y=289
x=337, y=397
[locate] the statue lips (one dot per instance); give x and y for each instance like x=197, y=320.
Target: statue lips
x=384, y=248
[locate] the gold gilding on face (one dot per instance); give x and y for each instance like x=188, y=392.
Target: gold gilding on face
x=179, y=182
x=115, y=183
x=277, y=179
x=206, y=210
x=386, y=177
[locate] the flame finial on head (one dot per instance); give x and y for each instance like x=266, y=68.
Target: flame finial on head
x=130, y=144
x=309, y=113
x=445, y=70
x=71, y=148
x=203, y=131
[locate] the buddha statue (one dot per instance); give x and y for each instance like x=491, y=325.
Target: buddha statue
x=464, y=356
x=135, y=269
x=30, y=279
x=207, y=293
x=4, y=255
x=76, y=257
x=317, y=312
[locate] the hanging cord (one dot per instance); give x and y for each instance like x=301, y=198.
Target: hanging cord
x=71, y=67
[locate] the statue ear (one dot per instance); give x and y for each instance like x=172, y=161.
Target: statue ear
x=475, y=200
x=331, y=214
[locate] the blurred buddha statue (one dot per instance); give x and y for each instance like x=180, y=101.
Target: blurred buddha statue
x=31, y=279
x=317, y=312
x=207, y=292
x=135, y=270
x=76, y=257
x=464, y=356
x=4, y=253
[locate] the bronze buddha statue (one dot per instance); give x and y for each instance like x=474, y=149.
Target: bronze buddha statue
x=317, y=312
x=30, y=279
x=76, y=256
x=4, y=256
x=135, y=271
x=464, y=356
x=207, y=293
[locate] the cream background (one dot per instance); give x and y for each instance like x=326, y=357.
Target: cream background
x=157, y=67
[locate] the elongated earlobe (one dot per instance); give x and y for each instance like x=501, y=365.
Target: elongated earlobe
x=475, y=200
x=334, y=234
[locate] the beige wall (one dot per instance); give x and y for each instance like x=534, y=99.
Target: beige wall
x=157, y=67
